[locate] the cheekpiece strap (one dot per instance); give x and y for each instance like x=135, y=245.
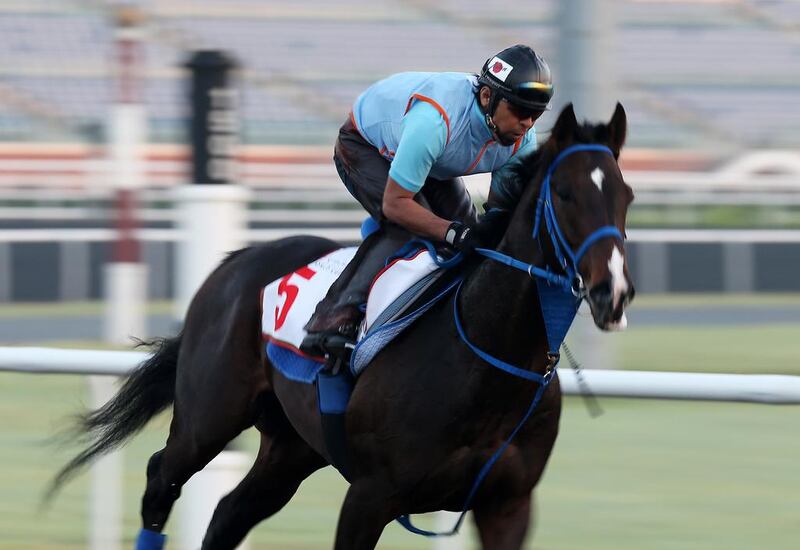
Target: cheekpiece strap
x=552, y=168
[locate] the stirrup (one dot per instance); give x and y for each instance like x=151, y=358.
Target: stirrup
x=338, y=349
x=335, y=361
x=324, y=344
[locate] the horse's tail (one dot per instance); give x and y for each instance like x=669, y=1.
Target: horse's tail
x=148, y=390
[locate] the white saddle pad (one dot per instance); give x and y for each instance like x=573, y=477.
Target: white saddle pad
x=289, y=302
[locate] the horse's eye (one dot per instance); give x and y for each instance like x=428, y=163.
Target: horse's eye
x=564, y=192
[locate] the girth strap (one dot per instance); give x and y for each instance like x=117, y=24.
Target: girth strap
x=333, y=393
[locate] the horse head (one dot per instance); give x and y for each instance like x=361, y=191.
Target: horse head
x=577, y=213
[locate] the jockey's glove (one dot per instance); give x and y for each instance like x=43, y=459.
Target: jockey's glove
x=487, y=233
x=461, y=237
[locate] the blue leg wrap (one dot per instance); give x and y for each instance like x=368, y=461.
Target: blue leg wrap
x=150, y=540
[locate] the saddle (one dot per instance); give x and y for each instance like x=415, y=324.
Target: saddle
x=411, y=282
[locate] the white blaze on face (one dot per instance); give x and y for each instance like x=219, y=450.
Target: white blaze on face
x=598, y=176
x=619, y=285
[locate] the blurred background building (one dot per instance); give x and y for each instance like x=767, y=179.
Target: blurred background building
x=95, y=141
x=715, y=76
x=710, y=87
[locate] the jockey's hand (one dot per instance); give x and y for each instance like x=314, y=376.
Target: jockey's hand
x=485, y=234
x=461, y=237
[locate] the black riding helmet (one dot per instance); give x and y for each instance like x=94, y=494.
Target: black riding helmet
x=520, y=76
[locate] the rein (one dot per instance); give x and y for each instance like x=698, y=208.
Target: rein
x=558, y=310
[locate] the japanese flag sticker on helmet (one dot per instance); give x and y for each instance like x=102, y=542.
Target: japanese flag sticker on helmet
x=499, y=68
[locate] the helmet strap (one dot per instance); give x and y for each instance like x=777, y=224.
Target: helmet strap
x=490, y=123
x=491, y=108
x=493, y=101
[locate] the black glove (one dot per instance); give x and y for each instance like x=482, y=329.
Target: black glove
x=460, y=236
x=485, y=234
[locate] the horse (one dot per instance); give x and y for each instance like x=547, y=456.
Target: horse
x=430, y=414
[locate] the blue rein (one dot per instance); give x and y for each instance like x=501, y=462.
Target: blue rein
x=557, y=312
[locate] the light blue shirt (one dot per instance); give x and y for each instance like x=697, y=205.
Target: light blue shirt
x=424, y=134
x=430, y=125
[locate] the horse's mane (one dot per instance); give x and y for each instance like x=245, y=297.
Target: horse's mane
x=233, y=255
x=527, y=170
x=591, y=133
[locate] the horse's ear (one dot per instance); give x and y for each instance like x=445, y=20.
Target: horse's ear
x=617, y=129
x=566, y=125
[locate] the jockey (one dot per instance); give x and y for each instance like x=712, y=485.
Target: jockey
x=401, y=153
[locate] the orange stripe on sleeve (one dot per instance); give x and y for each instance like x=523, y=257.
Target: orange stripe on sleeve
x=436, y=106
x=353, y=121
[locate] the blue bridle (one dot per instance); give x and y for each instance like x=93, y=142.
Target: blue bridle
x=559, y=298
x=568, y=259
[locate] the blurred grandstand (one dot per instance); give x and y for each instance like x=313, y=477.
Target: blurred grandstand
x=710, y=87
x=704, y=74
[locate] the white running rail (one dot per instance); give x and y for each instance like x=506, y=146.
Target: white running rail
x=753, y=388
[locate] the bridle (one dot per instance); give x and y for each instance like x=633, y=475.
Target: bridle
x=559, y=294
x=567, y=258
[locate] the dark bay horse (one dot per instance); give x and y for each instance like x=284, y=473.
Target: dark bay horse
x=427, y=414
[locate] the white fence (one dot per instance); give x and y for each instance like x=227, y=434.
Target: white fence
x=754, y=388
x=353, y=234
x=762, y=177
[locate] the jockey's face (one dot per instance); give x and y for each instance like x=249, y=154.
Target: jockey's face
x=511, y=121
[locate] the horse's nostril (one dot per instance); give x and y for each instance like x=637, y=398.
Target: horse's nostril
x=600, y=294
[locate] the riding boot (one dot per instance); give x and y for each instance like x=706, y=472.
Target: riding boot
x=333, y=327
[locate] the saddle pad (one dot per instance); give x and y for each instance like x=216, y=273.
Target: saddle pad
x=288, y=303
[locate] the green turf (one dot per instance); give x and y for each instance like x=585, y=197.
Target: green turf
x=647, y=474
x=669, y=475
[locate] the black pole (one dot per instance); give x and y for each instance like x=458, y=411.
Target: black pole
x=214, y=125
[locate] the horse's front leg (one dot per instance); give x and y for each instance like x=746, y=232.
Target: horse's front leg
x=365, y=513
x=504, y=527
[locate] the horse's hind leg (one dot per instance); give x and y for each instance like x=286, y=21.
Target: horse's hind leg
x=169, y=469
x=283, y=462
x=208, y=413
